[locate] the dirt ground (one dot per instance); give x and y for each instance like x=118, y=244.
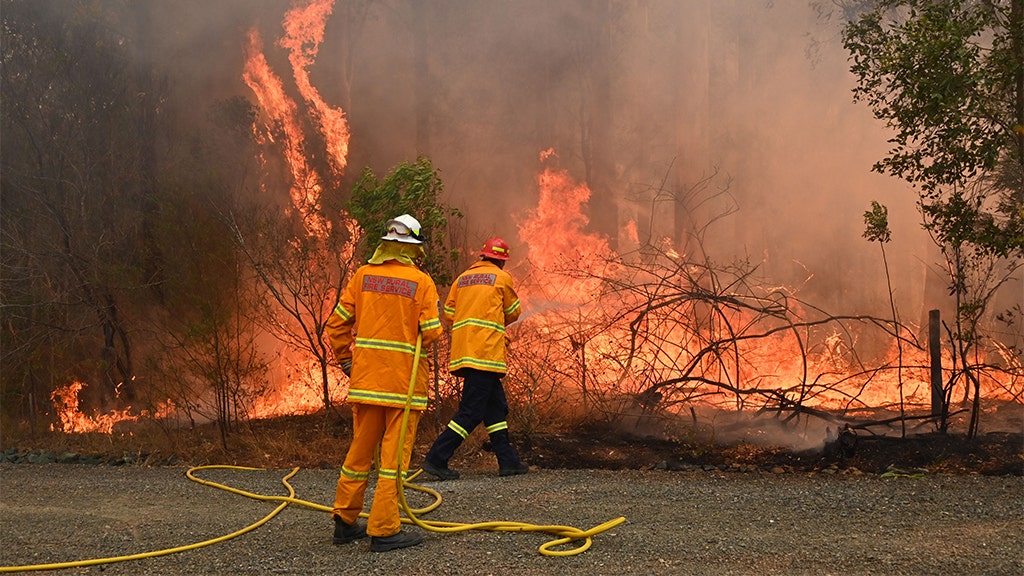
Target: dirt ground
x=873, y=505
x=673, y=522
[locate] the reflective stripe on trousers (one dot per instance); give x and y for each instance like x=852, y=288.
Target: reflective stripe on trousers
x=373, y=425
x=483, y=400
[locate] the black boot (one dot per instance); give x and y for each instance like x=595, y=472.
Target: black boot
x=395, y=541
x=442, y=472
x=509, y=463
x=513, y=470
x=345, y=533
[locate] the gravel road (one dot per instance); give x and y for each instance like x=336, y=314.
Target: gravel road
x=693, y=523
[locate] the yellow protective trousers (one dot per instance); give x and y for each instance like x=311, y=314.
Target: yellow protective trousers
x=373, y=425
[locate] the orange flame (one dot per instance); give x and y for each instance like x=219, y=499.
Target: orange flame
x=302, y=393
x=557, y=241
x=282, y=115
x=73, y=421
x=304, y=25
x=777, y=366
x=304, y=32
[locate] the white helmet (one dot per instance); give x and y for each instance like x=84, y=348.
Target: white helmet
x=405, y=229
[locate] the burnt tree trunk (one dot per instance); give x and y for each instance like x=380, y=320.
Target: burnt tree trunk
x=935, y=353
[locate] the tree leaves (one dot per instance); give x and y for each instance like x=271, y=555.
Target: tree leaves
x=942, y=75
x=408, y=189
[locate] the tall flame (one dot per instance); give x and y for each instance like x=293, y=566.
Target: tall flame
x=282, y=116
x=304, y=32
x=304, y=27
x=558, y=244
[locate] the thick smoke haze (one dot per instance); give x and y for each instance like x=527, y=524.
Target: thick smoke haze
x=750, y=99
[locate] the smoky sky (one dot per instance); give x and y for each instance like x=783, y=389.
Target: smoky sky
x=750, y=97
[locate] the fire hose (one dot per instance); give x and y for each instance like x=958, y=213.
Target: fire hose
x=563, y=534
x=566, y=534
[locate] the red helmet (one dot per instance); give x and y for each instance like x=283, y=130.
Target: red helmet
x=495, y=248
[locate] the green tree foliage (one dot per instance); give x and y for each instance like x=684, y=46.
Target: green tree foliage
x=948, y=77
x=876, y=221
x=408, y=189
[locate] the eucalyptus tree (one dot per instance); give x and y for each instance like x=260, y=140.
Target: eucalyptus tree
x=70, y=222
x=947, y=77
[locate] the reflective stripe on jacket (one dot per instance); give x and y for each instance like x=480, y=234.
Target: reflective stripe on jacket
x=480, y=304
x=375, y=324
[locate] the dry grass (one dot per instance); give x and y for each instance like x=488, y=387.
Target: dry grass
x=316, y=441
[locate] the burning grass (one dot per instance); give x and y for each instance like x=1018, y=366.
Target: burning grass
x=313, y=441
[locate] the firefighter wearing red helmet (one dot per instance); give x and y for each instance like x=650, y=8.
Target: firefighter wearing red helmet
x=480, y=304
x=495, y=249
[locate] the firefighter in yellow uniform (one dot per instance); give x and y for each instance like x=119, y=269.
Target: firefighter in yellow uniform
x=480, y=304
x=373, y=332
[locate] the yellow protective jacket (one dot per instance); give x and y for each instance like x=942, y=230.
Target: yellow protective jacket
x=480, y=304
x=384, y=307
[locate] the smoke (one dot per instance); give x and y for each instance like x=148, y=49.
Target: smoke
x=751, y=98
x=673, y=114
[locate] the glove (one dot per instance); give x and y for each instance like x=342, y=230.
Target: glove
x=346, y=367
